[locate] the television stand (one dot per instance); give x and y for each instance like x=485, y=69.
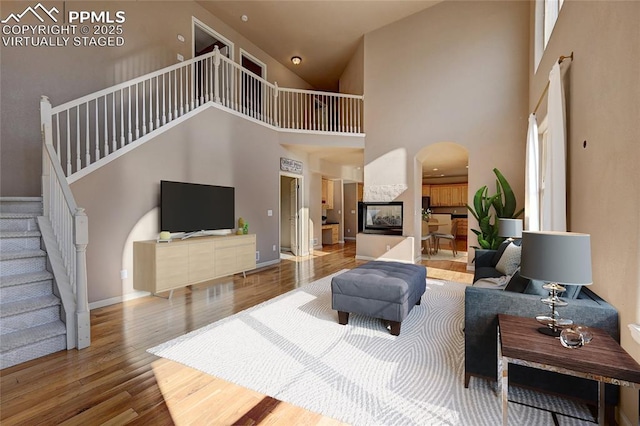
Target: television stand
x=159, y=267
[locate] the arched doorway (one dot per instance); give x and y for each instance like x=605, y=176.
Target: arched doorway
x=445, y=191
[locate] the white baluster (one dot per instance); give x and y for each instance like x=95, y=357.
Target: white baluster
x=78, y=155
x=158, y=100
x=58, y=137
x=193, y=74
x=181, y=100
x=129, y=123
x=144, y=106
x=136, y=100
x=114, y=143
x=106, y=128
x=164, y=115
x=121, y=117
x=218, y=80
x=97, y=141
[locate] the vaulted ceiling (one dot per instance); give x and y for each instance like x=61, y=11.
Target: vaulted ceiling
x=325, y=34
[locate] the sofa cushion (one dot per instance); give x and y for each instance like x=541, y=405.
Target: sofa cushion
x=535, y=287
x=485, y=272
x=517, y=283
x=510, y=259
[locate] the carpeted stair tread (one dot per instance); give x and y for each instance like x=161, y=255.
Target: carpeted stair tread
x=12, y=255
x=19, y=234
x=32, y=277
x=20, y=199
x=27, y=305
x=31, y=335
x=8, y=215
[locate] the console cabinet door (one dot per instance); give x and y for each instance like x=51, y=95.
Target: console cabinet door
x=171, y=266
x=201, y=261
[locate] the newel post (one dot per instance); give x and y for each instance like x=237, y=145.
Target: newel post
x=216, y=68
x=47, y=138
x=275, y=103
x=81, y=237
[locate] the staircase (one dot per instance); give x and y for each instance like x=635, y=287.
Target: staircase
x=30, y=325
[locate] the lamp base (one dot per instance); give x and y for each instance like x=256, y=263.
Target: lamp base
x=549, y=331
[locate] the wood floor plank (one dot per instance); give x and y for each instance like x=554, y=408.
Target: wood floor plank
x=115, y=381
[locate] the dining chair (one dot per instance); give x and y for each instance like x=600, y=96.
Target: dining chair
x=427, y=239
x=451, y=237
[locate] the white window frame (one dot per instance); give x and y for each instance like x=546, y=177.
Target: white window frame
x=546, y=16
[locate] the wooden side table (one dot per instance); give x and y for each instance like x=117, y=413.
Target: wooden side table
x=603, y=359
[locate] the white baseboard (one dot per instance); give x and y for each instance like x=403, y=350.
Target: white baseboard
x=139, y=294
x=118, y=299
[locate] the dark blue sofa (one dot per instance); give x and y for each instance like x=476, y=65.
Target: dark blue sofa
x=482, y=306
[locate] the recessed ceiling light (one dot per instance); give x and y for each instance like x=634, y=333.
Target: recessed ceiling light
x=244, y=18
x=435, y=169
x=296, y=60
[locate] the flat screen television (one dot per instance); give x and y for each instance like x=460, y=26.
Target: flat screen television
x=193, y=207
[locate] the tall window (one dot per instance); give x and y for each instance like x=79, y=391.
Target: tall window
x=546, y=15
x=551, y=11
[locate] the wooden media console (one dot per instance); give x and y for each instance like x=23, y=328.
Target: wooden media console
x=159, y=267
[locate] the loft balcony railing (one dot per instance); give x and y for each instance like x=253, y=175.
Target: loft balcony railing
x=95, y=126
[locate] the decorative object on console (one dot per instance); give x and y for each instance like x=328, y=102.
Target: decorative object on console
x=575, y=336
x=556, y=258
x=510, y=228
x=164, y=237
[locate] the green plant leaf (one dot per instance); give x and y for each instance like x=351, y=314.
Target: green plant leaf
x=509, y=196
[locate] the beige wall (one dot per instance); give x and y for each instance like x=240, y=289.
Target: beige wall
x=350, y=210
x=66, y=73
x=602, y=88
x=352, y=78
x=213, y=147
x=456, y=72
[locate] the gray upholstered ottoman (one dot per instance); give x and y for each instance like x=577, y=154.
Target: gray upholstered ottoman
x=386, y=290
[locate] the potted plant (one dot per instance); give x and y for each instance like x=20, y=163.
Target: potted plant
x=504, y=206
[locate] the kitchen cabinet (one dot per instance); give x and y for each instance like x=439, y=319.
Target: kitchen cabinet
x=426, y=190
x=330, y=233
x=327, y=194
x=462, y=227
x=450, y=195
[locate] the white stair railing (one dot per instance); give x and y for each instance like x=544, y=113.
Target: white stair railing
x=92, y=127
x=70, y=228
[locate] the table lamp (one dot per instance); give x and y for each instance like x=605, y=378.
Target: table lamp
x=556, y=258
x=510, y=228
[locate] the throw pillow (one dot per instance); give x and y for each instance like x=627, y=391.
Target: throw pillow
x=510, y=260
x=498, y=253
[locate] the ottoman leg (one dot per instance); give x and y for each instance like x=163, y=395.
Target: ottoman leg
x=419, y=300
x=343, y=317
x=395, y=328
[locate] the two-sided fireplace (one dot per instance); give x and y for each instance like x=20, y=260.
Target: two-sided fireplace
x=381, y=218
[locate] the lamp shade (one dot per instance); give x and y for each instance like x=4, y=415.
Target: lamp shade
x=510, y=228
x=560, y=257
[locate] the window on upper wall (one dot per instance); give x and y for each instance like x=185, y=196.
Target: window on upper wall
x=546, y=15
x=551, y=11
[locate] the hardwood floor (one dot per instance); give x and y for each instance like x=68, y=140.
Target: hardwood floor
x=115, y=381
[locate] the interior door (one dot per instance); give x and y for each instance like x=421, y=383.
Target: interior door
x=251, y=87
x=294, y=217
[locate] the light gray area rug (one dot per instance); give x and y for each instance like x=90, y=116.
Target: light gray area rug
x=293, y=349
